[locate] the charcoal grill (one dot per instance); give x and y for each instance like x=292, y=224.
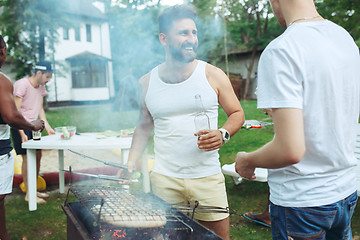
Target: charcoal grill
x=96, y=216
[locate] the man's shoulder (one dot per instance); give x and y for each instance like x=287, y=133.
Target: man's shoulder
x=21, y=81
x=6, y=86
x=213, y=71
x=145, y=78
x=4, y=80
x=3, y=77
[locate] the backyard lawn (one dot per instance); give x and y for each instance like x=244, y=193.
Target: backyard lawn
x=49, y=221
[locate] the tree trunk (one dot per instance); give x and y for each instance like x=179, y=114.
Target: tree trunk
x=42, y=58
x=251, y=66
x=226, y=51
x=41, y=45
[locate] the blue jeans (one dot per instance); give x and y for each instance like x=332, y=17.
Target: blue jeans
x=330, y=222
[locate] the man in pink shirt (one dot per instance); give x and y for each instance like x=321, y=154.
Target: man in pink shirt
x=29, y=93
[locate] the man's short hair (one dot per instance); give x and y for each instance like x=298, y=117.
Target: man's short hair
x=174, y=13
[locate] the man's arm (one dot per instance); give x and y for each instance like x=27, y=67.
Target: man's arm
x=287, y=147
x=231, y=105
x=18, y=103
x=8, y=109
x=143, y=131
x=42, y=116
x=141, y=138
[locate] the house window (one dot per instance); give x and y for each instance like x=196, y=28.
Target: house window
x=88, y=74
x=88, y=32
x=65, y=33
x=77, y=33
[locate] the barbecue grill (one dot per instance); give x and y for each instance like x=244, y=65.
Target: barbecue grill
x=108, y=212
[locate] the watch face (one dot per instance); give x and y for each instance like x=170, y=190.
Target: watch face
x=227, y=135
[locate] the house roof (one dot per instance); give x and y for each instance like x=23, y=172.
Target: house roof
x=87, y=56
x=83, y=8
x=240, y=51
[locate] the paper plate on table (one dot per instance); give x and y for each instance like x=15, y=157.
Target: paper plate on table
x=260, y=173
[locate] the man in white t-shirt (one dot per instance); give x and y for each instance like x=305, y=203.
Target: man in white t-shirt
x=310, y=78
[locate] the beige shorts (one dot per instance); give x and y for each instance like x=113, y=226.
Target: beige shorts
x=208, y=191
x=6, y=173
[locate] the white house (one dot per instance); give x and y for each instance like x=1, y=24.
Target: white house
x=82, y=57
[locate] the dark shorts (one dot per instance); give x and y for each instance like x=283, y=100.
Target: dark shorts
x=16, y=138
x=330, y=222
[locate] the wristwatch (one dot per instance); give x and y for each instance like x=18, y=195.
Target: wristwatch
x=225, y=135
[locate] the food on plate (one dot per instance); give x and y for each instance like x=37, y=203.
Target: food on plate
x=122, y=133
x=65, y=132
x=67, y=135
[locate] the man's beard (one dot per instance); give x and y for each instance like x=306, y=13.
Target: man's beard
x=177, y=53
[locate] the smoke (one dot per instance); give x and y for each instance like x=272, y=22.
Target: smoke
x=136, y=48
x=134, y=45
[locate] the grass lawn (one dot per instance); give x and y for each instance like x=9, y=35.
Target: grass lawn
x=49, y=221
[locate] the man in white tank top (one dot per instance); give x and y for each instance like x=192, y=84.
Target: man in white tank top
x=310, y=78
x=186, y=167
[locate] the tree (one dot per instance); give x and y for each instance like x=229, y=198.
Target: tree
x=251, y=26
x=211, y=30
x=246, y=25
x=135, y=46
x=237, y=25
x=343, y=12
x=30, y=25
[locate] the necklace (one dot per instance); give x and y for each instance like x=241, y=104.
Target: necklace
x=304, y=18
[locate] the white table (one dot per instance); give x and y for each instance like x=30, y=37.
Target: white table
x=82, y=141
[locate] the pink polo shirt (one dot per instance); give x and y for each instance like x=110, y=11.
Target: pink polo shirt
x=31, y=98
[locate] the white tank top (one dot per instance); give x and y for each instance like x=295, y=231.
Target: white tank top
x=4, y=127
x=5, y=142
x=173, y=109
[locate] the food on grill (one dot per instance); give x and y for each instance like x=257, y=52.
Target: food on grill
x=131, y=218
x=126, y=210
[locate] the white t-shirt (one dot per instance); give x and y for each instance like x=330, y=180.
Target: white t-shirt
x=314, y=66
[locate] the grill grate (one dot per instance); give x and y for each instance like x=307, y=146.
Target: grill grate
x=86, y=217
x=117, y=207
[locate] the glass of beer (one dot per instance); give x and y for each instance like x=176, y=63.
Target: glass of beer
x=36, y=135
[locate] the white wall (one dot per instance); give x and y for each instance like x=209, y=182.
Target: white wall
x=82, y=94
x=60, y=88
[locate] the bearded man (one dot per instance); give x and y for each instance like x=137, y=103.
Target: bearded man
x=186, y=167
